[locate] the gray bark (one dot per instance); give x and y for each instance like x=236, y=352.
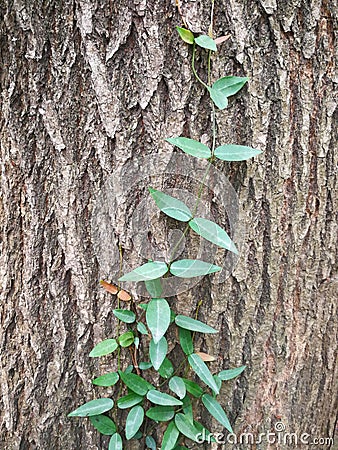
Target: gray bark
x=90, y=88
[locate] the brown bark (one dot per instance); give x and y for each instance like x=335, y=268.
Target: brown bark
x=90, y=87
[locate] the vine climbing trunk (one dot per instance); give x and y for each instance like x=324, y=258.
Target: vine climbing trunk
x=90, y=90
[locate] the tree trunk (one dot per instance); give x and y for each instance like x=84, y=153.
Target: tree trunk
x=90, y=90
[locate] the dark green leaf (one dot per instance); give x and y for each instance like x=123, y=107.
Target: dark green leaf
x=126, y=339
x=103, y=424
x=141, y=328
x=158, y=317
x=187, y=408
x=176, y=384
x=170, y=437
x=154, y=287
x=145, y=365
x=129, y=369
x=136, y=383
x=202, y=371
x=93, y=408
x=161, y=413
x=191, y=147
x=160, y=398
x=166, y=370
x=229, y=374
x=185, y=426
x=193, y=388
x=213, y=233
x=138, y=436
x=104, y=348
x=185, y=35
x=129, y=400
x=157, y=352
x=125, y=315
x=194, y=325
x=148, y=271
x=150, y=443
x=171, y=206
x=144, y=306
x=206, y=42
x=235, y=152
x=216, y=411
x=109, y=379
x=189, y=268
x=115, y=442
x=186, y=341
x=217, y=96
x=230, y=85
x=134, y=421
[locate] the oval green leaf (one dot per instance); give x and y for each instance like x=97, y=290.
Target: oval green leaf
x=103, y=424
x=148, y=271
x=170, y=437
x=217, y=96
x=187, y=408
x=206, y=42
x=202, y=371
x=216, y=411
x=150, y=443
x=171, y=206
x=185, y=35
x=136, y=383
x=160, y=398
x=194, y=325
x=193, y=388
x=104, y=348
x=141, y=328
x=134, y=421
x=158, y=317
x=186, y=341
x=189, y=268
x=161, y=413
x=213, y=233
x=93, y=408
x=229, y=374
x=229, y=85
x=185, y=426
x=106, y=380
x=124, y=315
x=191, y=147
x=157, y=352
x=115, y=442
x=167, y=369
x=154, y=287
x=235, y=152
x=145, y=365
x=126, y=339
x=176, y=385
x=129, y=400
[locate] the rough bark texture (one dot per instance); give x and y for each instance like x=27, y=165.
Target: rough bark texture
x=89, y=86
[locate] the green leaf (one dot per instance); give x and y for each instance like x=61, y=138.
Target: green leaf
x=218, y=382
x=171, y=206
x=187, y=408
x=213, y=233
x=189, y=268
x=176, y=384
x=129, y=369
x=166, y=370
x=160, y=398
x=126, y=339
x=104, y=348
x=185, y=426
x=217, y=96
x=103, y=424
x=186, y=341
x=129, y=400
x=161, y=413
x=141, y=328
x=202, y=371
x=191, y=147
x=158, y=317
x=235, y=152
x=194, y=325
x=193, y=388
x=115, y=442
x=229, y=374
x=145, y=365
x=150, y=443
x=144, y=306
x=216, y=411
x=185, y=35
x=93, y=408
x=157, y=352
x=136, y=383
x=229, y=85
x=154, y=287
x=109, y=379
x=125, y=315
x=205, y=41
x=134, y=421
x=170, y=437
x=208, y=436
x=148, y=271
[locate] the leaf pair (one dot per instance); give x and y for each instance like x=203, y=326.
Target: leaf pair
x=203, y=41
x=225, y=87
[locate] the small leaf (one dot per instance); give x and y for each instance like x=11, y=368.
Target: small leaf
x=218, y=382
x=129, y=369
x=194, y=325
x=235, y=152
x=154, y=287
x=115, y=442
x=171, y=206
x=206, y=42
x=193, y=388
x=160, y=398
x=170, y=437
x=103, y=424
x=185, y=35
x=111, y=288
x=189, y=268
x=136, y=383
x=217, y=96
x=104, y=348
x=191, y=147
x=109, y=379
x=222, y=39
x=126, y=339
x=185, y=426
x=141, y=328
x=124, y=315
x=158, y=317
x=206, y=357
x=157, y=352
x=145, y=365
x=161, y=413
x=186, y=341
x=129, y=400
x=93, y=408
x=134, y=421
x=166, y=370
x=148, y=271
x=124, y=296
x=216, y=411
x=229, y=374
x=150, y=443
x=187, y=408
x=212, y=232
x=137, y=342
x=229, y=85
x=144, y=306
x=202, y=371
x=176, y=384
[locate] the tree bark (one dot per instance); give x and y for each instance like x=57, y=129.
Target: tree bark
x=90, y=90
